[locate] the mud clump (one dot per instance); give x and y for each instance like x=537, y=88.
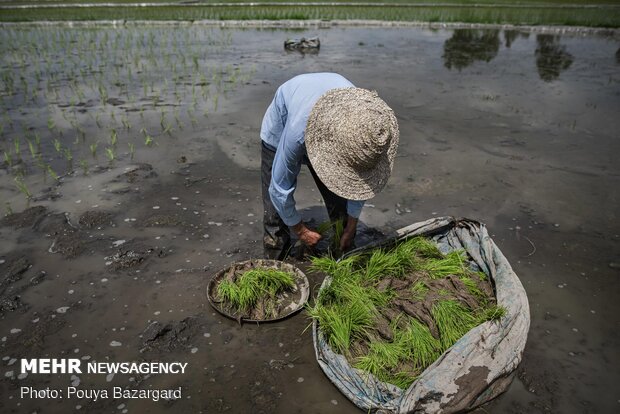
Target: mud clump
x=139, y=172
x=91, y=219
x=68, y=240
x=34, y=339
x=131, y=256
x=12, y=272
x=161, y=220
x=170, y=336
x=13, y=281
x=26, y=218
x=11, y=303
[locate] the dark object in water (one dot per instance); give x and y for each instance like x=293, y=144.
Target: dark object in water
x=303, y=44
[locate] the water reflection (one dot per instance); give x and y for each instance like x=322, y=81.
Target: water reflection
x=551, y=57
x=467, y=46
x=511, y=35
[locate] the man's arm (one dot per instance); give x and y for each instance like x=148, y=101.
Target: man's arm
x=286, y=166
x=274, y=119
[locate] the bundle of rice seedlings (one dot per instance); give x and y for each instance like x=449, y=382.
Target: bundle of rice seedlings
x=341, y=323
x=451, y=264
x=419, y=290
x=453, y=321
x=244, y=293
x=349, y=309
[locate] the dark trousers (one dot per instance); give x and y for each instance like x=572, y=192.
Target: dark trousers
x=277, y=236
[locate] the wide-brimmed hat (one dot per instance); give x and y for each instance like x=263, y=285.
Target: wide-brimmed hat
x=351, y=140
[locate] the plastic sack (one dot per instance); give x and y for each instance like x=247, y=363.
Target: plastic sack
x=477, y=368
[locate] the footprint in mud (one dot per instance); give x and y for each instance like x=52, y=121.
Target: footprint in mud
x=26, y=218
x=96, y=219
x=263, y=391
x=136, y=173
x=15, y=278
x=172, y=336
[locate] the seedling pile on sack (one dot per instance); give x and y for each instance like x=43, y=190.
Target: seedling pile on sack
x=255, y=293
x=392, y=313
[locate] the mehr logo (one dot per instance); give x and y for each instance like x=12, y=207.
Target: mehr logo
x=51, y=366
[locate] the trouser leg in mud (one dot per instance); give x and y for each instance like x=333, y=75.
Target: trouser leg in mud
x=277, y=236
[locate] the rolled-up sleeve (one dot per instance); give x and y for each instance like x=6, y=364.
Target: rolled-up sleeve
x=354, y=208
x=286, y=166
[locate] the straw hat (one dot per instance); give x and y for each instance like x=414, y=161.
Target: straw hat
x=351, y=140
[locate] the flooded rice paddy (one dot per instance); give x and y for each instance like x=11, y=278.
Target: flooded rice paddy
x=131, y=161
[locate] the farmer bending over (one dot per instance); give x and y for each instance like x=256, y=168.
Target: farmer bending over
x=347, y=137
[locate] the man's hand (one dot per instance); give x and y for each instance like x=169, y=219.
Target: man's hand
x=307, y=236
x=346, y=241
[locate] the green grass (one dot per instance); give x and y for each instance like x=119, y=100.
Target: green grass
x=537, y=14
x=245, y=292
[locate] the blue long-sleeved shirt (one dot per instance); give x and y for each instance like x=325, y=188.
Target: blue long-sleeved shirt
x=283, y=129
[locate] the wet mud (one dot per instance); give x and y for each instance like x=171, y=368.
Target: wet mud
x=519, y=132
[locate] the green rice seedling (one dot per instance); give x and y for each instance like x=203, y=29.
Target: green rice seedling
x=148, y=140
x=51, y=124
x=336, y=229
x=125, y=122
x=8, y=158
x=68, y=156
x=244, y=293
x=57, y=145
x=7, y=208
x=382, y=263
x=402, y=380
x=84, y=166
x=422, y=247
x=453, y=320
x=389, y=354
x=419, y=345
x=371, y=363
x=472, y=287
x=162, y=120
x=93, y=149
x=33, y=151
x=109, y=152
x=132, y=150
x=451, y=264
x=113, y=137
x=341, y=323
x=443, y=292
x=167, y=129
x=491, y=313
x=17, y=147
x=21, y=186
x=419, y=290
x=52, y=173
x=343, y=268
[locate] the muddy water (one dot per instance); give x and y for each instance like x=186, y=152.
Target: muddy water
x=518, y=131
